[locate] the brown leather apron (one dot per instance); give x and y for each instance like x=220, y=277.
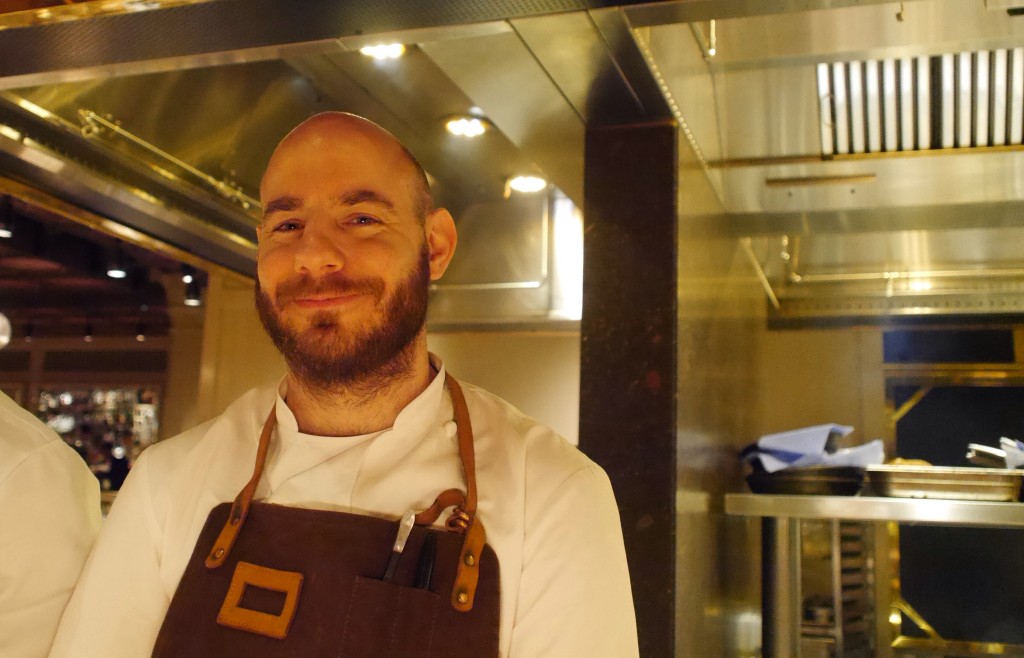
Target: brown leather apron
x=301, y=582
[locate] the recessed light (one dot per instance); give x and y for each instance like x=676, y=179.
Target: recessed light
x=920, y=285
x=6, y=218
x=383, y=50
x=193, y=293
x=116, y=266
x=466, y=126
x=527, y=183
x=5, y=331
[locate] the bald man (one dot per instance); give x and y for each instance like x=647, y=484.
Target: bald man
x=348, y=246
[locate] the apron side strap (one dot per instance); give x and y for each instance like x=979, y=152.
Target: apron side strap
x=445, y=499
x=240, y=508
x=465, y=436
x=468, y=574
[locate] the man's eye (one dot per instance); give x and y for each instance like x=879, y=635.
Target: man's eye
x=285, y=227
x=364, y=220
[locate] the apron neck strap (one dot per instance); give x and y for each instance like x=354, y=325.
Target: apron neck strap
x=465, y=505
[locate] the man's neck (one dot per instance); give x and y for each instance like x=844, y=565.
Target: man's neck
x=360, y=408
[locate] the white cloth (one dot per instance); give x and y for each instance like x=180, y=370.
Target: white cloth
x=548, y=511
x=50, y=506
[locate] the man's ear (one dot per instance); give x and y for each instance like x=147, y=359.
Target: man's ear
x=441, y=240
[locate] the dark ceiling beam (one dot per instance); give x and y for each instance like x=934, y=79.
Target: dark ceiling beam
x=595, y=62
x=209, y=28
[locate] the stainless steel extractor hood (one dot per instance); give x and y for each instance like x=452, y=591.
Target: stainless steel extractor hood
x=845, y=173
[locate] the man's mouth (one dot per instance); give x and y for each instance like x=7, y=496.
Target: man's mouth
x=325, y=301
x=329, y=292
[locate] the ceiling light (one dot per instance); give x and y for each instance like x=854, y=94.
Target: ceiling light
x=187, y=273
x=29, y=331
x=383, y=50
x=193, y=293
x=527, y=183
x=87, y=337
x=116, y=267
x=140, y=332
x=5, y=331
x=6, y=218
x=919, y=285
x=466, y=126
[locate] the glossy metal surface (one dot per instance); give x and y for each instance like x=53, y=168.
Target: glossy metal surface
x=753, y=110
x=780, y=584
x=784, y=513
x=858, y=508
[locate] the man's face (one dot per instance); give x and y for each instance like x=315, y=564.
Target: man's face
x=343, y=265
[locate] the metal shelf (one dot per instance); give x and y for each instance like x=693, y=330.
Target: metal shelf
x=930, y=511
x=780, y=544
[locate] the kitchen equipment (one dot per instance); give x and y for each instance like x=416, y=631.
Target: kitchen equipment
x=944, y=482
x=809, y=481
x=981, y=455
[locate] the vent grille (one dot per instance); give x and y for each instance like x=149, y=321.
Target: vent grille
x=956, y=100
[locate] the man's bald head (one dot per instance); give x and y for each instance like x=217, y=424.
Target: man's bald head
x=335, y=128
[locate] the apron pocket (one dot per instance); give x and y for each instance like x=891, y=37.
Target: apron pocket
x=385, y=619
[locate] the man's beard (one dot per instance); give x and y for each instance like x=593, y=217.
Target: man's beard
x=329, y=356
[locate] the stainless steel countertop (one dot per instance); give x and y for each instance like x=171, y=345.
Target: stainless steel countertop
x=930, y=511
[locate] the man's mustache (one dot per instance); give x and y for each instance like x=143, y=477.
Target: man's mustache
x=327, y=285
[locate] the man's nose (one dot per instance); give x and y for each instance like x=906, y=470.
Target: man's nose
x=317, y=252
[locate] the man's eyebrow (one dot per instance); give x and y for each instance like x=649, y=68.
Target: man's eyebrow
x=281, y=204
x=364, y=196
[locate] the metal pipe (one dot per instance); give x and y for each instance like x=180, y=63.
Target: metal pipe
x=780, y=587
x=892, y=276
x=93, y=124
x=820, y=180
x=762, y=277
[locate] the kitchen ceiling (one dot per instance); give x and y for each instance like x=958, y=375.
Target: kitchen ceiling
x=889, y=224
x=175, y=81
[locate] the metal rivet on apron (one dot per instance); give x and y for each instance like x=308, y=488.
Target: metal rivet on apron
x=469, y=560
x=462, y=596
x=217, y=554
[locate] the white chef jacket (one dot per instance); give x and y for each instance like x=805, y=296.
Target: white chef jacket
x=50, y=507
x=548, y=511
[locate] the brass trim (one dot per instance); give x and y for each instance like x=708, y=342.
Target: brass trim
x=842, y=179
x=78, y=9
x=909, y=404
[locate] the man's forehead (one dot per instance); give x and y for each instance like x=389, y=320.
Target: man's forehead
x=353, y=197
x=315, y=146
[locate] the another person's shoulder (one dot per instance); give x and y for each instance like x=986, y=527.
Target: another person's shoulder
x=23, y=436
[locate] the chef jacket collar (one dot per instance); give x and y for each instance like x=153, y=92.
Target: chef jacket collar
x=293, y=452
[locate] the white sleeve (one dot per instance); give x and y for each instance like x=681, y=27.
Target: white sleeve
x=51, y=514
x=119, y=604
x=574, y=597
